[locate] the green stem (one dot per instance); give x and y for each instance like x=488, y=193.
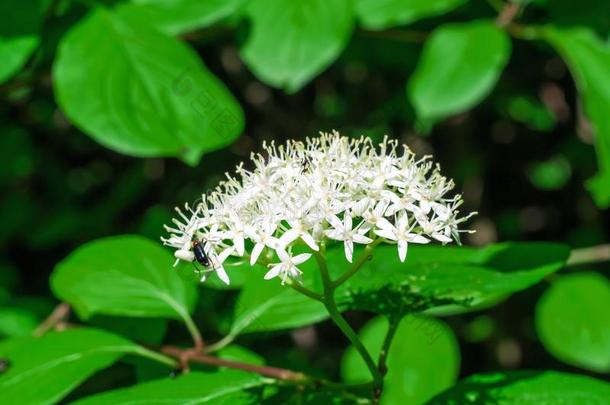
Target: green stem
x=305, y=291
x=335, y=314
x=193, y=330
x=387, y=342
x=150, y=354
x=366, y=255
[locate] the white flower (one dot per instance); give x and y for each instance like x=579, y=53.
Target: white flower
x=311, y=194
x=287, y=267
x=217, y=266
x=342, y=231
x=261, y=236
x=401, y=233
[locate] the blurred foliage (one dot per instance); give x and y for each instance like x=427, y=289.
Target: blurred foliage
x=103, y=101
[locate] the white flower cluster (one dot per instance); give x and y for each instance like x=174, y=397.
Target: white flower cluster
x=327, y=188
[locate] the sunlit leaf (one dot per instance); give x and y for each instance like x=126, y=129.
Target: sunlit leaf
x=155, y=99
x=459, y=66
x=266, y=305
x=223, y=387
x=178, y=16
x=381, y=14
x=290, y=42
x=526, y=388
x=123, y=276
x=43, y=370
x=572, y=320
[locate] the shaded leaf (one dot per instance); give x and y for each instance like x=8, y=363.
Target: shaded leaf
x=572, y=320
x=459, y=66
x=381, y=14
x=290, y=42
x=589, y=61
x=445, y=277
x=150, y=331
x=19, y=33
x=226, y=387
x=123, y=276
x=43, y=370
x=424, y=359
x=155, y=99
x=526, y=388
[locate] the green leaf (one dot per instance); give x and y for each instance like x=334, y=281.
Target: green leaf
x=424, y=359
x=150, y=331
x=43, y=370
x=241, y=354
x=445, y=277
x=290, y=42
x=19, y=34
x=589, y=60
x=178, y=16
x=155, y=99
x=459, y=66
x=526, y=388
x=123, y=276
x=226, y=387
x=382, y=14
x=17, y=322
x=552, y=174
x=572, y=320
x=267, y=305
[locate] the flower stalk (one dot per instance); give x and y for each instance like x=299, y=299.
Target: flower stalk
x=339, y=320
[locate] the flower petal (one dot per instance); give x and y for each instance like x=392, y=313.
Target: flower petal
x=402, y=250
x=274, y=272
x=302, y=258
x=256, y=252
x=222, y=274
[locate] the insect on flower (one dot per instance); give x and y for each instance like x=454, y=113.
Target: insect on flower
x=199, y=252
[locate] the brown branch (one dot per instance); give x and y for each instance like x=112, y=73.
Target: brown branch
x=588, y=255
x=55, y=320
x=189, y=355
x=508, y=14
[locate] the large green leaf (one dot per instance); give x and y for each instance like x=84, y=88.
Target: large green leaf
x=178, y=16
x=526, y=388
x=424, y=359
x=155, y=99
x=19, y=36
x=292, y=41
x=43, y=370
x=266, y=305
x=381, y=14
x=123, y=276
x=589, y=60
x=459, y=66
x=573, y=323
x=223, y=387
x=445, y=277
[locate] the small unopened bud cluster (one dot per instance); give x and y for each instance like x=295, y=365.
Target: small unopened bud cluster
x=328, y=189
